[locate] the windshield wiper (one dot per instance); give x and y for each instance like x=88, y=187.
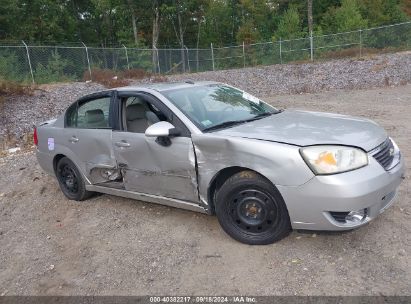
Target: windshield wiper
x=231, y=123
x=225, y=125
x=261, y=115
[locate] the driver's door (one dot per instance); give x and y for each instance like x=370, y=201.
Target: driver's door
x=149, y=167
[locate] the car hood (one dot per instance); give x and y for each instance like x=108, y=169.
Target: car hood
x=304, y=128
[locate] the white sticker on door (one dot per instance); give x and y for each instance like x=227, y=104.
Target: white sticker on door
x=50, y=144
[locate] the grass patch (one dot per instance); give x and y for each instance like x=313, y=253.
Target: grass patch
x=8, y=88
x=136, y=74
x=356, y=51
x=108, y=78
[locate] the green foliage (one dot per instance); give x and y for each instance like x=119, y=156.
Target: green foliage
x=222, y=22
x=8, y=64
x=379, y=12
x=192, y=23
x=140, y=60
x=248, y=33
x=219, y=16
x=55, y=70
x=14, y=65
x=258, y=19
x=289, y=26
x=348, y=17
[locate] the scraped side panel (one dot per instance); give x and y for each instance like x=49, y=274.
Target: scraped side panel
x=151, y=168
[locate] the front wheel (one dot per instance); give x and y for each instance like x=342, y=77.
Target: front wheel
x=251, y=210
x=71, y=181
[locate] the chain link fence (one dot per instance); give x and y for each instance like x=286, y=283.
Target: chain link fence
x=44, y=64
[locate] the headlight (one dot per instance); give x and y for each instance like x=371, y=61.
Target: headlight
x=333, y=159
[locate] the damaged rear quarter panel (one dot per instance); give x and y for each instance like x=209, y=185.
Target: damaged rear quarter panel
x=278, y=162
x=45, y=156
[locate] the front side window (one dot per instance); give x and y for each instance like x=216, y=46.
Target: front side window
x=212, y=106
x=140, y=113
x=93, y=114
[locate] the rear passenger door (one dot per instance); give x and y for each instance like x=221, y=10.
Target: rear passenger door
x=87, y=133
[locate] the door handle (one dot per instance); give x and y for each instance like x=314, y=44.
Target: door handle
x=73, y=139
x=122, y=144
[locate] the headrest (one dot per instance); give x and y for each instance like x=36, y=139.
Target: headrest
x=93, y=116
x=135, y=111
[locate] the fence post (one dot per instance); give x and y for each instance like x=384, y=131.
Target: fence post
x=188, y=60
x=212, y=55
x=281, y=55
x=311, y=46
x=198, y=64
x=243, y=55
x=88, y=60
x=158, y=60
x=128, y=65
x=28, y=57
x=360, y=42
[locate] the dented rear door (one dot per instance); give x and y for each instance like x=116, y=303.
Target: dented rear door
x=87, y=134
x=93, y=149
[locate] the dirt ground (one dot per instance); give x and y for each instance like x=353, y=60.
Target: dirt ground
x=115, y=246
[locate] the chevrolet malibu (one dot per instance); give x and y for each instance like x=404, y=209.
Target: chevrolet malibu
x=212, y=148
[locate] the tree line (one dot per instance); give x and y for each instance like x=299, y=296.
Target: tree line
x=189, y=23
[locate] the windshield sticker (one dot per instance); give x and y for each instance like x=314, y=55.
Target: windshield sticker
x=50, y=143
x=206, y=123
x=251, y=98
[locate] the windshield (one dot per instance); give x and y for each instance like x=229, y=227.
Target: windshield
x=211, y=106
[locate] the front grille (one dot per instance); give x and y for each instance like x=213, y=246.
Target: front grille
x=384, y=154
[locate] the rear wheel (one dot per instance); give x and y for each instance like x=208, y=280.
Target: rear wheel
x=251, y=210
x=71, y=181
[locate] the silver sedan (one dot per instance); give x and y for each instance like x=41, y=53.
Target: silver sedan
x=212, y=148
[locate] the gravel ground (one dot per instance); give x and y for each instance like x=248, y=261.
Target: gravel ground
x=114, y=246
x=18, y=114
x=364, y=73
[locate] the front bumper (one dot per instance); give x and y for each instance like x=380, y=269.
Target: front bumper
x=370, y=188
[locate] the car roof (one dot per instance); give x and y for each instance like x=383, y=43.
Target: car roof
x=160, y=86
x=165, y=86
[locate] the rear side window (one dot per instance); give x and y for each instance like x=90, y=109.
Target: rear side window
x=92, y=114
x=71, y=116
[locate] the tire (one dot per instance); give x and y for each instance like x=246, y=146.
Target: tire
x=71, y=181
x=251, y=210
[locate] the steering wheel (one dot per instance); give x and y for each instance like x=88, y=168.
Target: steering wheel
x=231, y=108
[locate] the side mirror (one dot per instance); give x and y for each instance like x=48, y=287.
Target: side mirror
x=161, y=129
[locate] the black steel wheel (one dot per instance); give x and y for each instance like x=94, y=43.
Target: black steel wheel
x=251, y=210
x=70, y=180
